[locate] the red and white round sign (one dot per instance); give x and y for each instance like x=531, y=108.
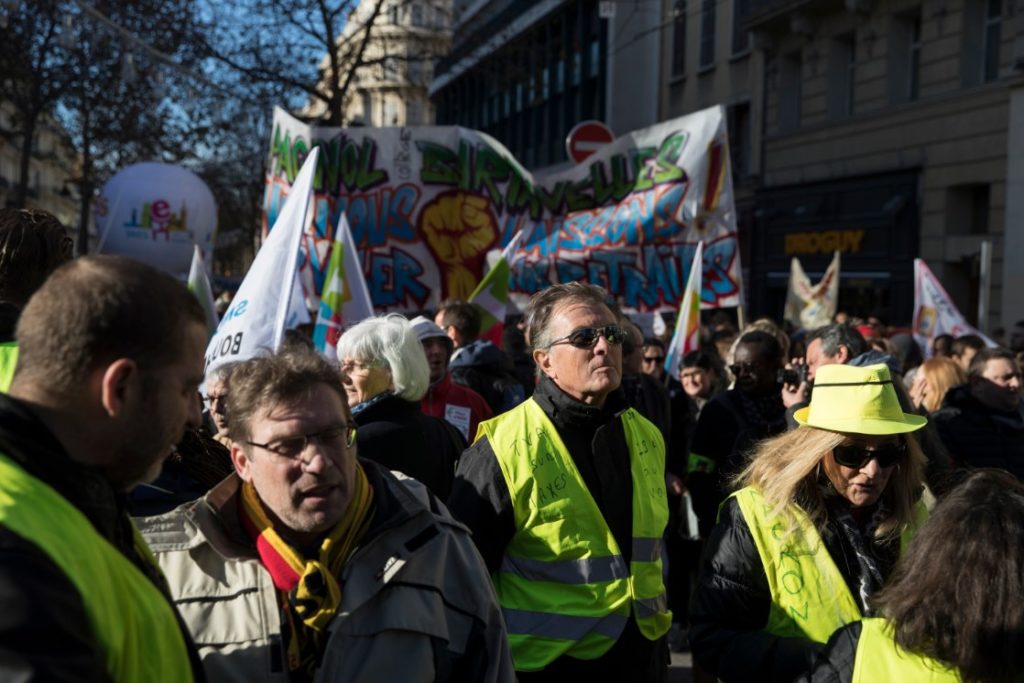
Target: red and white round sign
x=585, y=138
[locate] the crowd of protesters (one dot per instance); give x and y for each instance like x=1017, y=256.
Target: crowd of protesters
x=832, y=504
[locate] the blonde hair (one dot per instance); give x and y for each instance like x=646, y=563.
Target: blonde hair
x=942, y=374
x=785, y=469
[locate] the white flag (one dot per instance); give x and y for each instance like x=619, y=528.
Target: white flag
x=934, y=311
x=267, y=303
x=686, y=337
x=345, y=299
x=812, y=306
x=199, y=283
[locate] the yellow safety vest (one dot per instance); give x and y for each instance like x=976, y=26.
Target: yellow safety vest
x=879, y=658
x=810, y=598
x=564, y=586
x=8, y=361
x=132, y=621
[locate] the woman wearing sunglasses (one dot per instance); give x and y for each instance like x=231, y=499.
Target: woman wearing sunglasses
x=813, y=530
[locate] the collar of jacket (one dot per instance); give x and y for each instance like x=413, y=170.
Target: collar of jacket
x=384, y=406
x=566, y=411
x=26, y=440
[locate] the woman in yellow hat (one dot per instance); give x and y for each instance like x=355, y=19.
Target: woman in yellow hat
x=953, y=609
x=813, y=528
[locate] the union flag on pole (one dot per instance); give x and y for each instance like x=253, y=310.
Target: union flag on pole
x=686, y=337
x=345, y=299
x=491, y=295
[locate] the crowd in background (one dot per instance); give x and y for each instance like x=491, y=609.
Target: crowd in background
x=822, y=504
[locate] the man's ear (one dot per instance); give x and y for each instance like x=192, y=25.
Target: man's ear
x=843, y=354
x=542, y=357
x=120, y=383
x=240, y=459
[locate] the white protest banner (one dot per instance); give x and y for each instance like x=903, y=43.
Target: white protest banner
x=686, y=337
x=812, y=306
x=426, y=205
x=345, y=299
x=934, y=311
x=267, y=301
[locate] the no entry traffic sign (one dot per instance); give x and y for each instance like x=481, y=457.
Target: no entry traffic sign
x=585, y=138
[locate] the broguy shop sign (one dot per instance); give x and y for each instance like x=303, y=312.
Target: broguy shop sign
x=824, y=242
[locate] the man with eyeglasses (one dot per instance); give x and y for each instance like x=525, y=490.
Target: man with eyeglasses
x=565, y=495
x=310, y=564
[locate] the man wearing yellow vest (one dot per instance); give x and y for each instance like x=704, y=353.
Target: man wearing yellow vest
x=111, y=357
x=33, y=244
x=565, y=495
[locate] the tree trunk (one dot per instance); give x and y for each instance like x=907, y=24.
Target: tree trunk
x=28, y=132
x=85, y=190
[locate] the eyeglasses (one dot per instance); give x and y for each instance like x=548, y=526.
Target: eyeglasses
x=294, y=446
x=654, y=359
x=738, y=369
x=347, y=366
x=586, y=337
x=856, y=457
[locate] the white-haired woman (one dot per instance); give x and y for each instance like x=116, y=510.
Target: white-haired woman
x=385, y=373
x=814, y=529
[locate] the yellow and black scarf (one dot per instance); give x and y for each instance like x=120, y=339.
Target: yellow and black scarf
x=309, y=588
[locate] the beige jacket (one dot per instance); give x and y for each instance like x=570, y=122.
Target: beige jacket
x=418, y=604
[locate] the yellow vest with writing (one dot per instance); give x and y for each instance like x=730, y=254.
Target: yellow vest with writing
x=810, y=598
x=131, y=620
x=879, y=658
x=564, y=586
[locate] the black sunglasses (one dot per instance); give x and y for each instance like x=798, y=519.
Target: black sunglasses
x=654, y=359
x=738, y=369
x=586, y=337
x=856, y=457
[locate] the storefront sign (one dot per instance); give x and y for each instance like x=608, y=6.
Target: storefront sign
x=826, y=242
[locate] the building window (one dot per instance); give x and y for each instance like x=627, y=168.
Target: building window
x=790, y=94
x=595, y=52
x=967, y=209
x=390, y=112
x=738, y=124
x=992, y=38
x=842, y=66
x=679, y=38
x=707, y=33
x=393, y=14
x=414, y=71
x=417, y=14
x=413, y=113
x=740, y=36
x=904, y=59
x=390, y=69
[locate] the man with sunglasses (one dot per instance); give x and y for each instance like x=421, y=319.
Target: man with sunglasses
x=310, y=564
x=565, y=495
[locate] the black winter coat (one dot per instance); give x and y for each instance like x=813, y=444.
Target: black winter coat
x=731, y=605
x=979, y=436
x=395, y=433
x=46, y=633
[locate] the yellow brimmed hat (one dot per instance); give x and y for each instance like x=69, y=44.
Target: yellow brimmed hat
x=858, y=401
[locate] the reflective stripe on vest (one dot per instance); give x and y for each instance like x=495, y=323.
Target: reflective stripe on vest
x=572, y=560
x=8, y=361
x=132, y=622
x=879, y=658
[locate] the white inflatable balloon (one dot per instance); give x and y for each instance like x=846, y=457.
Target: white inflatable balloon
x=155, y=212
